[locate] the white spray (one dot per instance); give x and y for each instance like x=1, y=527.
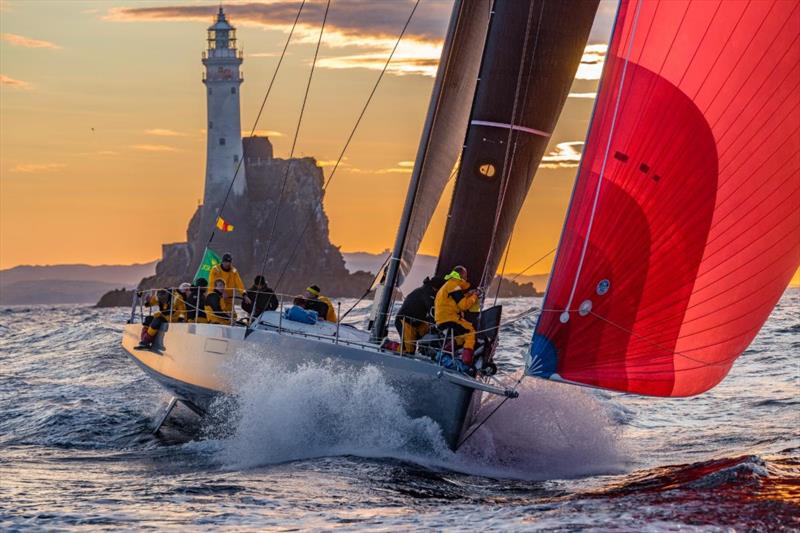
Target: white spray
x=318, y=410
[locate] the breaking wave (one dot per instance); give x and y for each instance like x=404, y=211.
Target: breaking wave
x=278, y=415
x=550, y=431
x=315, y=410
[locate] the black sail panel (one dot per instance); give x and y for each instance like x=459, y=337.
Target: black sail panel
x=532, y=52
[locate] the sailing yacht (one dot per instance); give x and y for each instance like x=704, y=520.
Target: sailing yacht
x=682, y=231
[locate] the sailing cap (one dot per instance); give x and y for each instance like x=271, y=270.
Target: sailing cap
x=184, y=286
x=226, y=257
x=313, y=289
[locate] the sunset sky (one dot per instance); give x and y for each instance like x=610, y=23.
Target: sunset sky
x=102, y=117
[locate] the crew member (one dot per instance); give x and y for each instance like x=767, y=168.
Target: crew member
x=228, y=274
x=452, y=300
x=262, y=298
x=217, y=310
x=413, y=319
x=152, y=324
x=196, y=304
x=179, y=301
x=314, y=299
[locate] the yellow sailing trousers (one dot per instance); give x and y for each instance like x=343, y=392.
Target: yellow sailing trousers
x=411, y=334
x=463, y=330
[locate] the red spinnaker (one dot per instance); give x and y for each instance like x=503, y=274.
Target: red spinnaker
x=684, y=226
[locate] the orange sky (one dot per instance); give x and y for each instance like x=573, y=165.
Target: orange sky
x=102, y=112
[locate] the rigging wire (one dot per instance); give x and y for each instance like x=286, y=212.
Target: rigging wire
x=294, y=141
x=258, y=117
x=347, y=143
x=482, y=422
x=377, y=276
x=545, y=256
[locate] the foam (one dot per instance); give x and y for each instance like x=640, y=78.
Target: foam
x=317, y=410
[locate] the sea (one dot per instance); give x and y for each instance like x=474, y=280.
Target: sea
x=315, y=449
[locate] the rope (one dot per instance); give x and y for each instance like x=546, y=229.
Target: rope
x=518, y=274
x=347, y=143
x=294, y=141
x=258, y=117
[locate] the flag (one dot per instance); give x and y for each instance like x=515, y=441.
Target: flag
x=210, y=260
x=224, y=226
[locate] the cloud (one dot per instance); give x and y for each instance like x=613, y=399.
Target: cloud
x=591, y=66
x=588, y=96
x=401, y=168
x=14, y=83
x=106, y=153
x=324, y=163
x=154, y=148
x=26, y=42
x=369, y=26
x=412, y=57
x=159, y=132
x=566, y=155
x=35, y=168
x=352, y=18
x=265, y=54
x=262, y=133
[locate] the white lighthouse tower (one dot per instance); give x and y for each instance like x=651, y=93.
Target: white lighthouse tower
x=224, y=141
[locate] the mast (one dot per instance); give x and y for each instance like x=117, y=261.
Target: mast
x=393, y=268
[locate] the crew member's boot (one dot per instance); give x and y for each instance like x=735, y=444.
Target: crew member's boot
x=146, y=339
x=467, y=355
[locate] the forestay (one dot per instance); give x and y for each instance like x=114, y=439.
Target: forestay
x=684, y=227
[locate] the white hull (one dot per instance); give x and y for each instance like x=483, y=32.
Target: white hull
x=195, y=363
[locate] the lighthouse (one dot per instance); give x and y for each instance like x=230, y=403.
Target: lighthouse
x=222, y=80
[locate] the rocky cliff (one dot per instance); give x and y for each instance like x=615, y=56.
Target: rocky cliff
x=268, y=224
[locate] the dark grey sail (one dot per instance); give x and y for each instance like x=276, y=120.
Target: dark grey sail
x=441, y=140
x=450, y=105
x=532, y=52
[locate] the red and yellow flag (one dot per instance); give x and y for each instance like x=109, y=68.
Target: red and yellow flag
x=224, y=226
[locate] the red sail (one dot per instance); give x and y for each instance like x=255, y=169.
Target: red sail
x=684, y=226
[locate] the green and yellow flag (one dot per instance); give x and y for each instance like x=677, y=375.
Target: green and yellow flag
x=210, y=259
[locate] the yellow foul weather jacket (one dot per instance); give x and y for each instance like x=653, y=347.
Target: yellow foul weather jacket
x=220, y=316
x=232, y=281
x=331, y=311
x=451, y=301
x=178, y=308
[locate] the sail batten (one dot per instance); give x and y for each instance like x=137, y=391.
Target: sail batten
x=684, y=228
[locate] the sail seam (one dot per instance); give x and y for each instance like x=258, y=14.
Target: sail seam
x=605, y=155
x=513, y=127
